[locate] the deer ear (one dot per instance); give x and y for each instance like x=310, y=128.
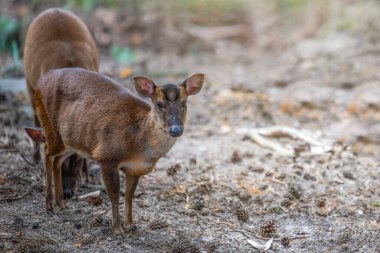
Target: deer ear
x=144, y=86
x=35, y=134
x=194, y=84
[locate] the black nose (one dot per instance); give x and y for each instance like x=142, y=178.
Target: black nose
x=68, y=194
x=175, y=131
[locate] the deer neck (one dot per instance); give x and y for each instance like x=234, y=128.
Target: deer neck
x=157, y=139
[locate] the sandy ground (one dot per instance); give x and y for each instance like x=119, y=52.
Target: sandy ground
x=226, y=188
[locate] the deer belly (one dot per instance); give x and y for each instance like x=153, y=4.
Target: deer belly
x=137, y=166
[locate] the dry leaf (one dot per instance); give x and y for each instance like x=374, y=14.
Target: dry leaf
x=260, y=246
x=125, y=72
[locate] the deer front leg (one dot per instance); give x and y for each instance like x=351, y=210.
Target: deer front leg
x=58, y=189
x=110, y=175
x=130, y=187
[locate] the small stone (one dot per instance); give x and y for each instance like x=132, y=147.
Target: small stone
x=190, y=213
x=244, y=196
x=348, y=175
x=18, y=221
x=269, y=174
x=94, y=200
x=256, y=169
x=309, y=177
x=281, y=177
x=193, y=161
x=236, y=158
x=35, y=225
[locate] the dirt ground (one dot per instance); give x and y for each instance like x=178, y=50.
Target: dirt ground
x=217, y=188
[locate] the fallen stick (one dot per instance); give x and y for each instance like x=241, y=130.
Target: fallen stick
x=285, y=131
x=91, y=194
x=12, y=198
x=248, y=233
x=265, y=142
x=217, y=32
x=259, y=136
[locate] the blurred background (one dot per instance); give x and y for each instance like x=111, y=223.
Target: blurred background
x=312, y=65
x=125, y=29
x=314, y=61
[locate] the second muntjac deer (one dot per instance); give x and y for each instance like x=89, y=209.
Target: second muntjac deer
x=58, y=39
x=106, y=123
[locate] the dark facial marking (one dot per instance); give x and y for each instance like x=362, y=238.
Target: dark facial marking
x=171, y=92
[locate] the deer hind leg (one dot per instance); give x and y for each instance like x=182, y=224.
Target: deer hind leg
x=111, y=179
x=36, y=152
x=49, y=160
x=36, y=147
x=58, y=189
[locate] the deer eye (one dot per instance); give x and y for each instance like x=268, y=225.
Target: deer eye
x=160, y=105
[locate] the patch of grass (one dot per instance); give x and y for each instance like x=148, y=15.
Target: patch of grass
x=9, y=29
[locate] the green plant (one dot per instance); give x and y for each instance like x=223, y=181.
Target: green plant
x=9, y=29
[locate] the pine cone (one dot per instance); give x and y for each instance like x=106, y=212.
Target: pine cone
x=295, y=191
x=321, y=203
x=211, y=246
x=285, y=241
x=173, y=170
x=23, y=248
x=87, y=239
x=131, y=229
x=198, y=204
x=96, y=222
x=183, y=246
x=236, y=158
x=268, y=229
x=286, y=202
x=242, y=214
x=244, y=196
x=158, y=223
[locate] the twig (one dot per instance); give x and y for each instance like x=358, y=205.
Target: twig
x=266, y=143
x=278, y=182
x=16, y=198
x=26, y=160
x=360, y=245
x=248, y=233
x=16, y=150
x=212, y=33
x=199, y=224
x=281, y=131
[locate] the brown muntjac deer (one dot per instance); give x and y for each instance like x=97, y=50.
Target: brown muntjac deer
x=58, y=39
x=105, y=122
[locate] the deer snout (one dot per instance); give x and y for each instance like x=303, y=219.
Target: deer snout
x=68, y=193
x=176, y=131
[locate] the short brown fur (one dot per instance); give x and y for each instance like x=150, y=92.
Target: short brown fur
x=56, y=39
x=106, y=123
